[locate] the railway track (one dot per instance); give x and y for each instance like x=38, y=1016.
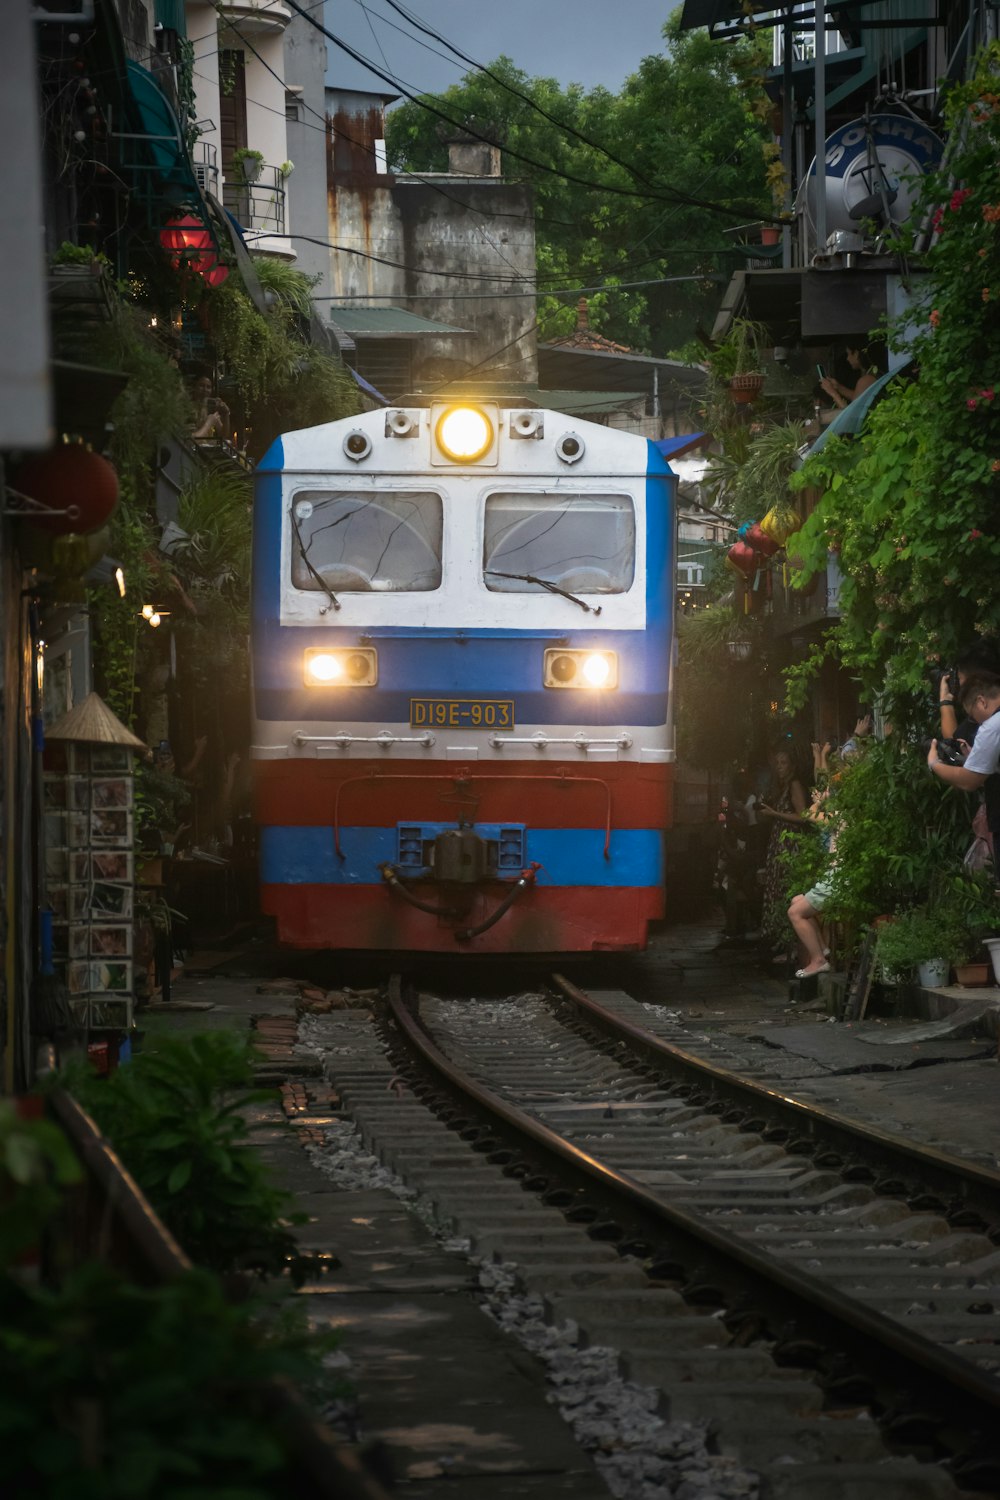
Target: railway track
x=767, y=1265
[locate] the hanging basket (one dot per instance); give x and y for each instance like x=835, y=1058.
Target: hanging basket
x=745, y=388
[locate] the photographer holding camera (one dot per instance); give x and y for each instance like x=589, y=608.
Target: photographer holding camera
x=981, y=700
x=983, y=656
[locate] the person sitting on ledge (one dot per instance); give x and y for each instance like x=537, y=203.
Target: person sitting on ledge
x=843, y=395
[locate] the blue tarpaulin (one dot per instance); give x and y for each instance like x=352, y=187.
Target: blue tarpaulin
x=674, y=447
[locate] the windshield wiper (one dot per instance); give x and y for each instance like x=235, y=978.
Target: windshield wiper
x=546, y=583
x=328, y=591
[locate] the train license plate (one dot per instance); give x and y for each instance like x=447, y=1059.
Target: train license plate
x=461, y=713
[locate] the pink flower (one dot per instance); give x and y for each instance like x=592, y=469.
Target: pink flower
x=935, y=318
x=988, y=394
x=936, y=219
x=974, y=536
x=972, y=403
x=958, y=198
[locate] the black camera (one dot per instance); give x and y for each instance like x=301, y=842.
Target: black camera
x=950, y=677
x=949, y=752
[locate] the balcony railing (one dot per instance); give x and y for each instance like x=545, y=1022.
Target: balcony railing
x=258, y=206
x=206, y=166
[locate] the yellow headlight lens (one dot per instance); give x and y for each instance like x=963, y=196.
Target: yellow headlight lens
x=464, y=434
x=350, y=668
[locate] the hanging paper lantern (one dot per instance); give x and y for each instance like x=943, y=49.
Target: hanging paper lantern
x=72, y=480
x=216, y=276
x=759, y=540
x=780, y=521
x=742, y=559
x=188, y=241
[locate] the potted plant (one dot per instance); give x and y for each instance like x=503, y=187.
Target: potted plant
x=736, y=361
x=247, y=163
x=925, y=938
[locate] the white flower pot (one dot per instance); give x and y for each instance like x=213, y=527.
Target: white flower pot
x=993, y=944
x=934, y=973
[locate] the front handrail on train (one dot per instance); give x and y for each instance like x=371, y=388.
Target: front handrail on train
x=384, y=739
x=320, y=1467
x=541, y=741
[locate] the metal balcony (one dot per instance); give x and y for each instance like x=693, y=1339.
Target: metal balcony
x=205, y=157
x=258, y=207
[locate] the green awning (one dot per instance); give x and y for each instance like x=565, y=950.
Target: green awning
x=161, y=132
x=849, y=421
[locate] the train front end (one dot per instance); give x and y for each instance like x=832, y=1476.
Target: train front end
x=462, y=651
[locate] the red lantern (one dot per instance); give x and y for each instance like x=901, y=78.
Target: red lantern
x=216, y=276
x=188, y=241
x=760, y=541
x=742, y=558
x=71, y=479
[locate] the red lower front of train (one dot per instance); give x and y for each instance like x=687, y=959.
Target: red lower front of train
x=478, y=858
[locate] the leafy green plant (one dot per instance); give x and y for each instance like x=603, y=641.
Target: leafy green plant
x=119, y=1392
x=739, y=353
x=69, y=254
x=911, y=504
x=915, y=937
x=247, y=163
x=176, y=1114
x=293, y=287
x=36, y=1164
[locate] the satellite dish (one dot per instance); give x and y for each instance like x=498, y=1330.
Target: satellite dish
x=870, y=165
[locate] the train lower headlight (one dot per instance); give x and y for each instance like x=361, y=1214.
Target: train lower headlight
x=464, y=434
x=580, y=669
x=331, y=668
x=597, y=669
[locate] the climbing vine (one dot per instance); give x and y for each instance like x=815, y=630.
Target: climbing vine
x=912, y=506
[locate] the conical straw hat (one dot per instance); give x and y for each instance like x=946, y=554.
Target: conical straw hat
x=92, y=722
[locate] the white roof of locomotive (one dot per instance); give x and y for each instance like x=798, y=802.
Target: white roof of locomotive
x=607, y=450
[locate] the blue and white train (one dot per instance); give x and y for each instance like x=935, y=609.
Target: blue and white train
x=462, y=659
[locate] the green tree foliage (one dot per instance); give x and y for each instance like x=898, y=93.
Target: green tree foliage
x=683, y=123
x=912, y=506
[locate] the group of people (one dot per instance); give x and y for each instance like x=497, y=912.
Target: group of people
x=966, y=757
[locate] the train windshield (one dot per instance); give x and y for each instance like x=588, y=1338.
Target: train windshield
x=582, y=542
x=345, y=541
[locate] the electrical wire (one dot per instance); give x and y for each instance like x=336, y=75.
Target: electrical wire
x=622, y=266
x=673, y=196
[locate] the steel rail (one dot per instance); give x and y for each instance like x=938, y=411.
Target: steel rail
x=318, y=1465
x=970, y=1393
x=935, y=1167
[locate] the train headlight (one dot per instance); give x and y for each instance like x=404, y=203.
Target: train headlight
x=464, y=433
x=339, y=668
x=597, y=669
x=580, y=669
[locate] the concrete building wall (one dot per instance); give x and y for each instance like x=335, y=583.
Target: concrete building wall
x=305, y=101
x=426, y=243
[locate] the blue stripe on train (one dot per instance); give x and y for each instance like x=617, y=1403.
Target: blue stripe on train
x=481, y=663
x=568, y=856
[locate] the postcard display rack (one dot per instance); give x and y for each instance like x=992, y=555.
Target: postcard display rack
x=89, y=867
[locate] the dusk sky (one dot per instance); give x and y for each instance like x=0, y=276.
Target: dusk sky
x=575, y=41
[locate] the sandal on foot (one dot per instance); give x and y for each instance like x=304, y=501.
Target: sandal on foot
x=811, y=973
